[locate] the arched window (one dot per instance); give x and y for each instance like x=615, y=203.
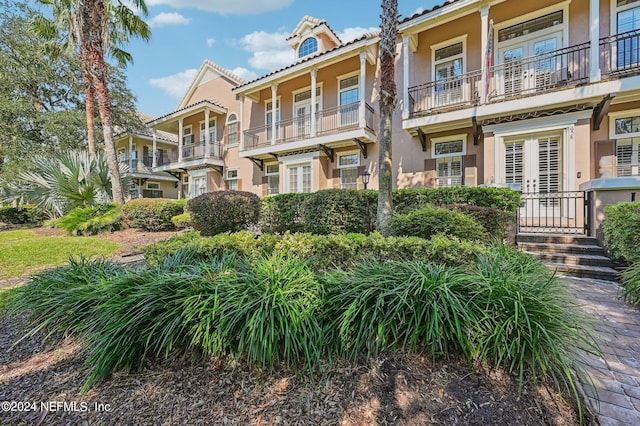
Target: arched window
x=232, y=129
x=308, y=47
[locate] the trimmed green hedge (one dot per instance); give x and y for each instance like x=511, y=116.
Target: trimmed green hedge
x=326, y=252
x=152, y=214
x=332, y=210
x=622, y=231
x=497, y=223
x=429, y=221
x=224, y=211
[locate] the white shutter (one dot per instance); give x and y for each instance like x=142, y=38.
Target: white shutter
x=549, y=165
x=514, y=162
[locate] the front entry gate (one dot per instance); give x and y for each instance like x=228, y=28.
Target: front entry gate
x=563, y=212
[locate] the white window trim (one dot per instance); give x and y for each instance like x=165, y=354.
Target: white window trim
x=266, y=173
x=564, y=6
x=231, y=178
x=202, y=129
x=266, y=111
x=297, y=165
x=622, y=114
x=236, y=121
x=319, y=85
x=451, y=138
x=450, y=42
x=310, y=53
x=190, y=133
x=614, y=14
x=350, y=166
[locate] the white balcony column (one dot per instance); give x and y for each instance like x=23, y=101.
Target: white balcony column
x=484, y=51
x=595, y=73
x=207, y=136
x=131, y=152
x=362, y=111
x=274, y=103
x=180, y=138
x=155, y=149
x=314, y=130
x=241, y=123
x=405, y=77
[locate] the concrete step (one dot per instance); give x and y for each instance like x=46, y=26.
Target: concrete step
x=573, y=259
x=584, y=271
x=586, y=249
x=556, y=239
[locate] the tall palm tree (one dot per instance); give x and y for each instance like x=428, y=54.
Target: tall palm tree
x=96, y=28
x=388, y=36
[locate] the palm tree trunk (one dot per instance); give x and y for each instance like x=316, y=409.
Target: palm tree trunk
x=89, y=94
x=388, y=35
x=95, y=43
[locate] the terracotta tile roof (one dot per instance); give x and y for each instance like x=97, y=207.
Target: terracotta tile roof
x=199, y=103
x=147, y=132
x=316, y=23
x=342, y=46
x=424, y=12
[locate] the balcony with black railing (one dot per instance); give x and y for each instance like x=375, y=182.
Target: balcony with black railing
x=542, y=73
x=620, y=54
x=195, y=151
x=330, y=121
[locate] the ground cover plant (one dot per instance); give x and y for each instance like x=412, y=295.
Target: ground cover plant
x=23, y=252
x=271, y=309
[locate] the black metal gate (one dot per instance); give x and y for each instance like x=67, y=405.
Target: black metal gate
x=564, y=212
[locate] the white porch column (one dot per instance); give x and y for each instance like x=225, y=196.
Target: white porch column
x=363, y=84
x=180, y=136
x=207, y=136
x=274, y=102
x=154, y=160
x=241, y=123
x=131, y=152
x=595, y=73
x=484, y=44
x=314, y=130
x=405, y=77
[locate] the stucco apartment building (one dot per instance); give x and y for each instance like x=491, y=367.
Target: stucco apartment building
x=543, y=96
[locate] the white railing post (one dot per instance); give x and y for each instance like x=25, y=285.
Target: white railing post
x=362, y=89
x=314, y=130
x=180, y=137
x=595, y=73
x=207, y=136
x=274, y=103
x=154, y=160
x=405, y=77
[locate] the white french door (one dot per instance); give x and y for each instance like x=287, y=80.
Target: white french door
x=299, y=178
x=534, y=162
x=302, y=118
x=527, y=65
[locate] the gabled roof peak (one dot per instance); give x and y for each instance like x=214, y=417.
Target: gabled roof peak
x=206, y=66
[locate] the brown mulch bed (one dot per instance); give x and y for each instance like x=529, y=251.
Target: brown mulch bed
x=394, y=389
x=390, y=389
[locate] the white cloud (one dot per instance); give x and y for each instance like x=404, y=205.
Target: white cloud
x=415, y=12
x=352, y=33
x=270, y=51
x=163, y=19
x=244, y=73
x=224, y=7
x=175, y=85
x=211, y=42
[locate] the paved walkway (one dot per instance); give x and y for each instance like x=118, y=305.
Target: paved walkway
x=617, y=327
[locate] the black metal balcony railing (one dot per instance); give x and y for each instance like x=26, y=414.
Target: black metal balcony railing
x=328, y=121
x=460, y=90
x=620, y=54
x=196, y=151
x=545, y=72
x=540, y=73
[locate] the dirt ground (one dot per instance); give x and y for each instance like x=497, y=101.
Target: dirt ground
x=41, y=379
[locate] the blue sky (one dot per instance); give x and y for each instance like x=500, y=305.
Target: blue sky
x=244, y=36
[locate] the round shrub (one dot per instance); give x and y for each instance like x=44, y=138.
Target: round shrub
x=429, y=221
x=152, y=214
x=181, y=221
x=281, y=213
x=224, y=211
x=622, y=231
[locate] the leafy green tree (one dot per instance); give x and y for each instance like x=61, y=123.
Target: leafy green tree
x=96, y=28
x=41, y=96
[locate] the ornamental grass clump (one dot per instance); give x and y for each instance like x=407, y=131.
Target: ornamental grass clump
x=399, y=305
x=530, y=324
x=630, y=278
x=270, y=314
x=63, y=299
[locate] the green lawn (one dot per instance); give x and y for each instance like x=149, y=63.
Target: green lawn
x=23, y=252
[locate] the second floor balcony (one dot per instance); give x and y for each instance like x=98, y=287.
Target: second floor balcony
x=329, y=124
x=519, y=77
x=191, y=155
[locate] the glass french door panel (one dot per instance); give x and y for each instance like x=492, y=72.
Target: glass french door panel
x=302, y=120
x=300, y=179
x=448, y=88
x=293, y=179
x=545, y=68
x=513, y=73
x=627, y=49
x=349, y=107
x=306, y=178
